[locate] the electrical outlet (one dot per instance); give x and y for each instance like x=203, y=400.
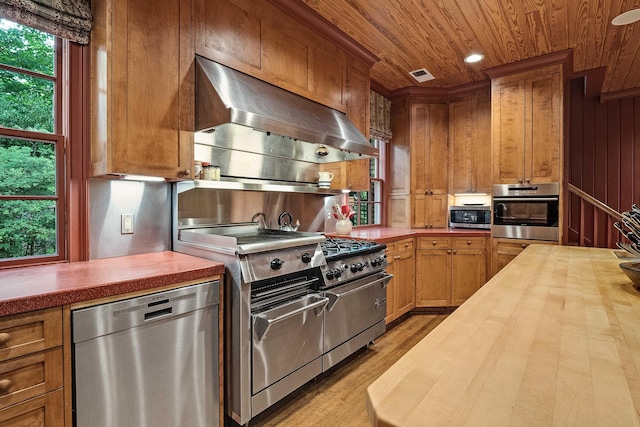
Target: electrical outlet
x=126, y=226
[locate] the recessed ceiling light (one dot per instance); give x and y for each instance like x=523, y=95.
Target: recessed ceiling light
x=628, y=17
x=474, y=57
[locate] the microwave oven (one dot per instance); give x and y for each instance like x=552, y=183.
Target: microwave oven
x=470, y=216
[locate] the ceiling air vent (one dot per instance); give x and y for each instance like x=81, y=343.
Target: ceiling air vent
x=421, y=75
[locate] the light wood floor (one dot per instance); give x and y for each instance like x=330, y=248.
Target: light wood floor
x=338, y=397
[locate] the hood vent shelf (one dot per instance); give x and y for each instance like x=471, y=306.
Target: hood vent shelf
x=247, y=185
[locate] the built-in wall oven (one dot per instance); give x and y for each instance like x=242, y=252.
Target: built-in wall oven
x=526, y=211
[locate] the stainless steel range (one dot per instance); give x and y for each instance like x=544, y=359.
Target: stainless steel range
x=355, y=283
x=297, y=305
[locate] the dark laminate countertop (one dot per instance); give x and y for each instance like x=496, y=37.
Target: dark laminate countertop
x=37, y=287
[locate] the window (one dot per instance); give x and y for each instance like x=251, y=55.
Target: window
x=368, y=204
x=32, y=198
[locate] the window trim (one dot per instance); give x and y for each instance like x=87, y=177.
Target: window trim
x=71, y=104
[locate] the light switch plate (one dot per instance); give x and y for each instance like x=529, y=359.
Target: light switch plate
x=126, y=226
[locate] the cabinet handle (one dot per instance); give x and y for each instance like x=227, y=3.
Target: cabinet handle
x=4, y=338
x=5, y=385
x=434, y=243
x=524, y=245
x=449, y=251
x=528, y=181
x=468, y=242
x=397, y=257
x=185, y=172
x=455, y=251
x=520, y=181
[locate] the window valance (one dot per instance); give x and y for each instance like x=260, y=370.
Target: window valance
x=380, y=123
x=68, y=19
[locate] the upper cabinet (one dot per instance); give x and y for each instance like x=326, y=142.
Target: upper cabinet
x=260, y=39
x=527, y=126
x=141, y=88
x=470, y=143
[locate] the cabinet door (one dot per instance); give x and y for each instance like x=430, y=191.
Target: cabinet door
x=544, y=135
x=437, y=210
x=438, y=149
x=142, y=88
x=508, y=122
x=461, y=159
x=404, y=271
x=468, y=273
x=433, y=278
x=392, y=309
x=42, y=411
x=419, y=136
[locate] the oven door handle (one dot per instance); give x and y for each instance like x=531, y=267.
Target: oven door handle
x=335, y=296
x=525, y=199
x=262, y=323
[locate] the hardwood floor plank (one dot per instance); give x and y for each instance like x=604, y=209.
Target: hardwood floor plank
x=338, y=397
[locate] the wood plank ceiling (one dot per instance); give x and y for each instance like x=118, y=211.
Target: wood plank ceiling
x=437, y=34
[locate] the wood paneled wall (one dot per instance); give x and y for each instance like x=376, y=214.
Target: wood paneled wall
x=603, y=161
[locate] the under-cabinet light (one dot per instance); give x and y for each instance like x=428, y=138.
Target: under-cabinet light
x=142, y=178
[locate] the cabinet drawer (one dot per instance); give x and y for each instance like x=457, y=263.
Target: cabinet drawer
x=30, y=332
x=47, y=410
x=434, y=243
x=469, y=242
x=29, y=376
x=400, y=245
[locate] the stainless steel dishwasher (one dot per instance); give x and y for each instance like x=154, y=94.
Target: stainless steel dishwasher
x=148, y=361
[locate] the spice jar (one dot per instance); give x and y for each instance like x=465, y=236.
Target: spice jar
x=208, y=172
x=197, y=169
x=216, y=173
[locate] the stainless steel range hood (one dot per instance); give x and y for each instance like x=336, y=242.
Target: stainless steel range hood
x=226, y=99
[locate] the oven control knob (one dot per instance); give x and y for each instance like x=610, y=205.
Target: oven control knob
x=306, y=258
x=330, y=275
x=337, y=273
x=276, y=264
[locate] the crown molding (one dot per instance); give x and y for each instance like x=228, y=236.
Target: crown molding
x=620, y=94
x=564, y=57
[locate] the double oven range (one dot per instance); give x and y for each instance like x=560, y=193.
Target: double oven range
x=298, y=303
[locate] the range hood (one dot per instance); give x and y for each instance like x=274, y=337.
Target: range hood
x=227, y=99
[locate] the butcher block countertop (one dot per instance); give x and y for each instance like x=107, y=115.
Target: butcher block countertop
x=33, y=288
x=552, y=339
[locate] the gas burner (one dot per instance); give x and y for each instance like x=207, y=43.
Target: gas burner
x=336, y=246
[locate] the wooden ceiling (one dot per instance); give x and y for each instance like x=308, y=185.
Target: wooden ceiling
x=437, y=34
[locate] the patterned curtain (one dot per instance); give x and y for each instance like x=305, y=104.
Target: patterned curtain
x=380, y=127
x=68, y=19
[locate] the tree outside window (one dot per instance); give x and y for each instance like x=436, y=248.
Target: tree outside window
x=31, y=146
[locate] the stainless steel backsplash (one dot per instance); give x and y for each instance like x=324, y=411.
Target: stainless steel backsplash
x=207, y=206
x=149, y=202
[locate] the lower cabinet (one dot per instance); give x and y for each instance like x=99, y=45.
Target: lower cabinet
x=31, y=383
x=401, y=289
x=449, y=270
x=504, y=250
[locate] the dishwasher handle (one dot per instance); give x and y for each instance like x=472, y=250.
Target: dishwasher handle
x=92, y=322
x=263, y=323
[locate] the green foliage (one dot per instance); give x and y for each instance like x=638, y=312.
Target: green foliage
x=27, y=168
x=26, y=102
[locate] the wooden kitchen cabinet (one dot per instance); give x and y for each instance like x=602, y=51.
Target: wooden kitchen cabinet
x=423, y=128
x=449, y=270
x=401, y=288
x=527, y=125
x=142, y=88
x=31, y=382
x=505, y=250
x=470, y=143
